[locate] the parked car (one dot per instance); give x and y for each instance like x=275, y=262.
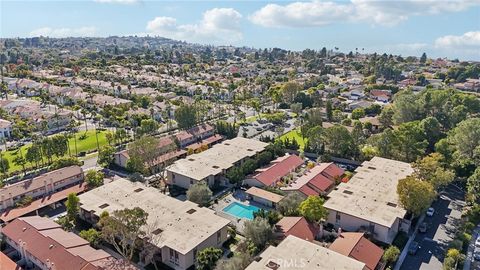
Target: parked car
x=423, y=227
x=413, y=248
x=477, y=242
x=476, y=253
x=430, y=211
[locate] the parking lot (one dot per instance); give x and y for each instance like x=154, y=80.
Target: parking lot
x=441, y=230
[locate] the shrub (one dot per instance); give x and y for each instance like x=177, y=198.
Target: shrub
x=391, y=254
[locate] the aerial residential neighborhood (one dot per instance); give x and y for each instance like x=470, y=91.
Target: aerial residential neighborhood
x=239, y=135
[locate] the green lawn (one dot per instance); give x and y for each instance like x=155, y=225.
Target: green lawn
x=294, y=134
x=86, y=145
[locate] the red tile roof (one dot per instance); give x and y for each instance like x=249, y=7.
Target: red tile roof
x=321, y=182
x=7, y=264
x=331, y=170
x=355, y=245
x=296, y=226
x=12, y=214
x=280, y=168
x=308, y=191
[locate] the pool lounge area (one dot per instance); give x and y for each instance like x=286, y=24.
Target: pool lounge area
x=241, y=210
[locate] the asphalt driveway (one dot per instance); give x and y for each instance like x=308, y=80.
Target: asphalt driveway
x=441, y=230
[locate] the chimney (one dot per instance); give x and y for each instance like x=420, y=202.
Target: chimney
x=45, y=186
x=11, y=199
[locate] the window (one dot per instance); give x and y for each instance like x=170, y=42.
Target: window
x=337, y=217
x=371, y=228
x=174, y=256
x=195, y=254
x=219, y=236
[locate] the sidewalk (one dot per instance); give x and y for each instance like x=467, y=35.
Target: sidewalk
x=404, y=253
x=471, y=247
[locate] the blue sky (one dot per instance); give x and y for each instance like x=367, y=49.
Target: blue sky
x=448, y=28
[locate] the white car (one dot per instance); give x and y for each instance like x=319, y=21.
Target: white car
x=476, y=253
x=430, y=212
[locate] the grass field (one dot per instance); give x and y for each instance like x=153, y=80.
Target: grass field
x=86, y=145
x=294, y=134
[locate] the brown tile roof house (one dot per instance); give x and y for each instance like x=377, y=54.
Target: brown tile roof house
x=7, y=264
x=296, y=226
x=279, y=168
x=263, y=196
x=46, y=183
x=356, y=246
x=318, y=180
x=41, y=241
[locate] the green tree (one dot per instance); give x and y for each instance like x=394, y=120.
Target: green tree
x=94, y=179
x=72, y=205
x=411, y=142
x=432, y=131
x=4, y=165
x=258, y=231
x=122, y=228
x=148, y=126
x=339, y=142
x=186, y=116
x=106, y=155
x=473, y=187
x=329, y=110
x=415, y=195
x=312, y=209
x=358, y=113
x=431, y=169
x=406, y=107
x=465, y=138
x=208, y=257
x=92, y=236
x=289, y=91
x=199, y=193
x=235, y=175
x=386, y=117
x=391, y=254
x=34, y=154
x=20, y=161
x=423, y=58
x=289, y=205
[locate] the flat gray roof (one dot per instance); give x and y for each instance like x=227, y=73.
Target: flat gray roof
x=295, y=253
x=371, y=194
x=182, y=224
x=216, y=159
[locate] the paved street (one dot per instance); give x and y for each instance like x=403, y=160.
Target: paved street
x=441, y=229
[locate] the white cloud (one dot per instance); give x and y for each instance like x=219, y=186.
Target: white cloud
x=218, y=25
x=467, y=40
x=118, y=1
x=86, y=31
x=318, y=13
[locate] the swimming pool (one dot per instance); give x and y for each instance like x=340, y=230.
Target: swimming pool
x=241, y=210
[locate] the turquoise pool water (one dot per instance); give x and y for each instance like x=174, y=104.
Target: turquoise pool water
x=241, y=210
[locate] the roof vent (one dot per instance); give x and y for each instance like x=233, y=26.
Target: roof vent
x=391, y=204
x=105, y=205
x=191, y=211
x=138, y=190
x=215, y=167
x=348, y=192
x=272, y=265
x=24, y=229
x=191, y=159
x=50, y=247
x=157, y=231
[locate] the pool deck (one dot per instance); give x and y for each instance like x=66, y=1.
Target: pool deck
x=237, y=196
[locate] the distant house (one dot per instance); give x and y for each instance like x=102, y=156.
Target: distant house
x=296, y=226
x=5, y=129
x=264, y=197
x=356, y=246
x=369, y=202
x=381, y=95
x=319, y=180
x=167, y=150
x=295, y=253
x=275, y=172
x=39, y=186
x=372, y=120
x=359, y=104
x=194, y=134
